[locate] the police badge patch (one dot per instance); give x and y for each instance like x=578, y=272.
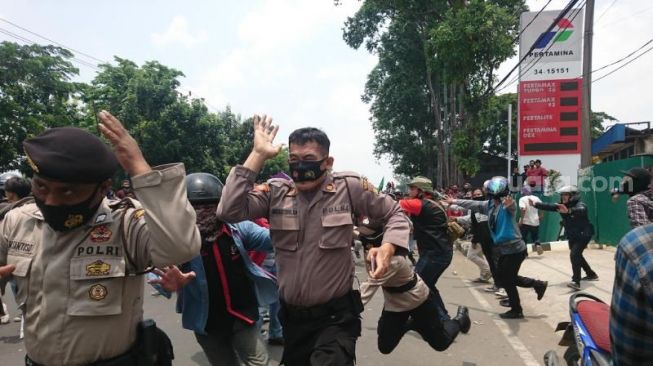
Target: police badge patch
x=98, y=268
x=101, y=234
x=97, y=292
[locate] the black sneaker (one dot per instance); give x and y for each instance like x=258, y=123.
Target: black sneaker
x=512, y=315
x=540, y=289
x=593, y=277
x=462, y=317
x=505, y=303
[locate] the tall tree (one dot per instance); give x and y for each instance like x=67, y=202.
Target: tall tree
x=36, y=92
x=596, y=123
x=436, y=61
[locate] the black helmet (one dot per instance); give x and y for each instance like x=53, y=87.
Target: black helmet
x=203, y=188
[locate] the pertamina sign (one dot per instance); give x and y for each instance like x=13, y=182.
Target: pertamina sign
x=550, y=86
x=558, y=53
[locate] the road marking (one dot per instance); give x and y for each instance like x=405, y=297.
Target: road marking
x=513, y=340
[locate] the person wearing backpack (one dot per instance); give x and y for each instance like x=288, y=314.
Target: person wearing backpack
x=431, y=231
x=501, y=210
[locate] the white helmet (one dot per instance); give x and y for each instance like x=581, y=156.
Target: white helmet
x=568, y=189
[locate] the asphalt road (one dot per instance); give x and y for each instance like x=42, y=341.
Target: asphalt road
x=491, y=341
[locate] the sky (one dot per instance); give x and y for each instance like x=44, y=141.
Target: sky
x=287, y=58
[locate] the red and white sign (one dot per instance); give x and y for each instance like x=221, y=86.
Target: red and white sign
x=549, y=117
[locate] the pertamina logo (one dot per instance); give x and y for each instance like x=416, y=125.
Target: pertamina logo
x=565, y=29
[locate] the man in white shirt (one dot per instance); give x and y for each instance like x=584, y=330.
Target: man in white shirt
x=529, y=220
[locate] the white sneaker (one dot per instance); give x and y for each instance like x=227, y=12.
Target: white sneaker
x=5, y=318
x=501, y=293
x=22, y=327
x=491, y=289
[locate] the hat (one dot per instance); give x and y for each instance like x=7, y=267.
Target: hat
x=70, y=154
x=422, y=183
x=641, y=180
x=638, y=173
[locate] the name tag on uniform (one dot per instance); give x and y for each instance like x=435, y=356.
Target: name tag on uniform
x=21, y=249
x=335, y=209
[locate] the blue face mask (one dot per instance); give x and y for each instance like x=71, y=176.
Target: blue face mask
x=306, y=171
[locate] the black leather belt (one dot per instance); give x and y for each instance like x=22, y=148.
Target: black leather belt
x=403, y=288
x=341, y=304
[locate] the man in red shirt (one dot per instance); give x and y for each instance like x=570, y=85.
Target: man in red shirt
x=536, y=175
x=430, y=231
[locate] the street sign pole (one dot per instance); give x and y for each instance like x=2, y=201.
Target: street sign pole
x=586, y=139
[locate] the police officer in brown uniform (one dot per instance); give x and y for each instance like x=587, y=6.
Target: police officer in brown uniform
x=311, y=225
x=77, y=257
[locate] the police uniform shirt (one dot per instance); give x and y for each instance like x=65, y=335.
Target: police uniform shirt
x=80, y=305
x=399, y=274
x=313, y=239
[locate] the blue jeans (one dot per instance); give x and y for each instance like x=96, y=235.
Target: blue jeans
x=430, y=267
x=275, y=330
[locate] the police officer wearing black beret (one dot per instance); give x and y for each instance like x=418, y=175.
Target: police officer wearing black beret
x=78, y=258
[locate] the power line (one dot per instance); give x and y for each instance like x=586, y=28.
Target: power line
x=539, y=58
x=533, y=62
x=624, y=65
x=553, y=24
x=53, y=41
x=29, y=41
x=606, y=10
x=72, y=50
x=625, y=57
x=531, y=22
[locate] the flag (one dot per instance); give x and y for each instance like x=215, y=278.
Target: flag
x=380, y=189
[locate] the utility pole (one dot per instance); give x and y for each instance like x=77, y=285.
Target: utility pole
x=586, y=112
x=509, y=140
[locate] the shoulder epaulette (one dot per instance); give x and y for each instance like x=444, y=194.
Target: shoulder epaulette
x=341, y=175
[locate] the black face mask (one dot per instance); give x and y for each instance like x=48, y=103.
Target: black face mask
x=68, y=217
x=306, y=171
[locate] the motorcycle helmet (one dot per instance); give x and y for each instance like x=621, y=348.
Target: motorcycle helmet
x=203, y=188
x=498, y=187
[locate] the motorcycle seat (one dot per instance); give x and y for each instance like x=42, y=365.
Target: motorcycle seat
x=596, y=317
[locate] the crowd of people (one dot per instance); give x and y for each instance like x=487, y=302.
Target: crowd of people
x=236, y=253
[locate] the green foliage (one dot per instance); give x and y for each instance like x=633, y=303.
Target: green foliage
x=596, y=123
x=436, y=62
x=35, y=93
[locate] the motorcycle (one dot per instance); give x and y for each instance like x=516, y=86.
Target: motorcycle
x=587, y=335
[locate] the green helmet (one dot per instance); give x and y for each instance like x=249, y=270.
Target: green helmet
x=422, y=183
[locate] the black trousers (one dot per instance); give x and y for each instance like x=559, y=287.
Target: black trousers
x=323, y=335
x=393, y=325
x=532, y=231
x=430, y=266
x=492, y=259
x=578, y=262
x=509, y=265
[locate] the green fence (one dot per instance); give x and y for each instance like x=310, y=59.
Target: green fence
x=609, y=217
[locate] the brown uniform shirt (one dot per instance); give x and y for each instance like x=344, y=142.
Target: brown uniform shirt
x=80, y=303
x=399, y=273
x=313, y=239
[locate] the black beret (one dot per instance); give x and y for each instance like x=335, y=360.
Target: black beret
x=70, y=154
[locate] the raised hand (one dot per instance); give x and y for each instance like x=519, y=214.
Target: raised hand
x=264, y=134
x=562, y=208
x=127, y=152
x=172, y=279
